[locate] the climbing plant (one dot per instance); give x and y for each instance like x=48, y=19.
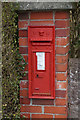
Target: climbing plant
x=13, y=62
x=75, y=32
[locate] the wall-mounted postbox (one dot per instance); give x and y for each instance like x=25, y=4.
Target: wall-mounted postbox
x=41, y=60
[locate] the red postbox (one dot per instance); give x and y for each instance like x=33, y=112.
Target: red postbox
x=41, y=60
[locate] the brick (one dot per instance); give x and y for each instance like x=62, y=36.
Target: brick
x=61, y=67
x=24, y=93
x=22, y=24
x=24, y=100
x=61, y=59
x=60, y=102
x=41, y=23
x=61, y=23
x=60, y=93
x=23, y=33
x=42, y=102
x=42, y=116
x=26, y=68
x=61, y=76
x=62, y=50
x=61, y=85
x=55, y=110
x=61, y=116
x=23, y=41
x=62, y=15
x=23, y=50
x=23, y=16
x=31, y=109
x=25, y=58
x=41, y=15
x=25, y=77
x=24, y=84
x=62, y=41
x=62, y=32
x=25, y=115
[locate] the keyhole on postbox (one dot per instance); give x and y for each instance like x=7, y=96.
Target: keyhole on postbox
x=37, y=75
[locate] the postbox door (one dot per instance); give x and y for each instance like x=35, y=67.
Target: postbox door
x=41, y=59
x=41, y=78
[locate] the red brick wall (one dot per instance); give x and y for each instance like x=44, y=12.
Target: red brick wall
x=41, y=108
